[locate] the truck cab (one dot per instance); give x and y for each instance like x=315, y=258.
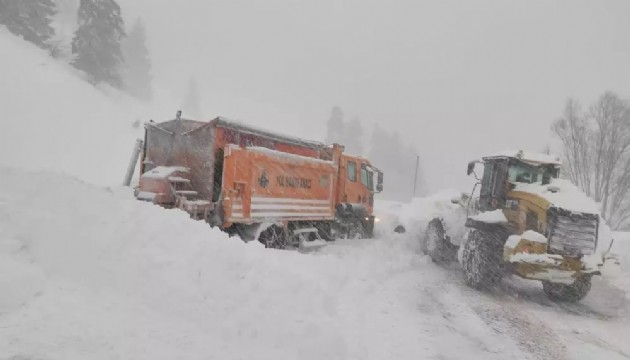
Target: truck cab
x=358, y=181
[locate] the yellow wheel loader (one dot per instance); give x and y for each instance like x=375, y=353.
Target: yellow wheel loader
x=525, y=221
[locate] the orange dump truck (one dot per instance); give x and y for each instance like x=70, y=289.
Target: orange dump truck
x=258, y=184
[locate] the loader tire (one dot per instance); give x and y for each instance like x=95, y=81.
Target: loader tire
x=482, y=260
x=568, y=292
x=437, y=245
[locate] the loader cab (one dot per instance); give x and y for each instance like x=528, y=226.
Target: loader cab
x=502, y=173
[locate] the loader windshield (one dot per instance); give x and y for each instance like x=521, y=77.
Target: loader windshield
x=521, y=172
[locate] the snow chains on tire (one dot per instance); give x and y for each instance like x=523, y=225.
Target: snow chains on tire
x=437, y=244
x=568, y=292
x=482, y=259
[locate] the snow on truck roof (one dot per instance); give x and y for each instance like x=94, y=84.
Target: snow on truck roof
x=528, y=157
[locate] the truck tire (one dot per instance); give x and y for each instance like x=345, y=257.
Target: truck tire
x=568, y=292
x=437, y=245
x=274, y=237
x=357, y=231
x=482, y=260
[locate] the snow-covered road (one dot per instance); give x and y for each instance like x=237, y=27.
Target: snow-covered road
x=434, y=308
x=90, y=273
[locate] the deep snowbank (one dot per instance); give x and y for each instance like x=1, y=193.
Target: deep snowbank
x=414, y=216
x=91, y=273
x=89, y=268
x=53, y=119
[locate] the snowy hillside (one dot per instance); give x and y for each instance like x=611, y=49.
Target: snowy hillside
x=53, y=119
x=90, y=273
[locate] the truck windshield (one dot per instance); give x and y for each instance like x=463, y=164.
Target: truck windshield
x=524, y=173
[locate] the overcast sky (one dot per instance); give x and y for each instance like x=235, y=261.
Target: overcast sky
x=458, y=79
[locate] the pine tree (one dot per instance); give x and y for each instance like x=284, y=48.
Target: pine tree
x=97, y=42
x=335, y=126
x=191, y=102
x=379, y=146
x=30, y=19
x=353, y=137
x=137, y=69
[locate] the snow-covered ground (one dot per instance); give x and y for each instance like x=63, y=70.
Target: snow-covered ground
x=89, y=272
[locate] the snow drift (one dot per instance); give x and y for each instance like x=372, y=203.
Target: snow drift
x=90, y=272
x=90, y=268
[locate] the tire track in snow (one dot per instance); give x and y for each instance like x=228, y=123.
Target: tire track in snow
x=378, y=297
x=530, y=335
x=412, y=305
x=500, y=314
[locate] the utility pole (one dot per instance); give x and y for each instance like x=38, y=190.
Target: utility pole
x=415, y=179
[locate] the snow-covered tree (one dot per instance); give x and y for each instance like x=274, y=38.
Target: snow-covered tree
x=596, y=146
x=335, y=126
x=97, y=42
x=191, y=106
x=30, y=19
x=137, y=68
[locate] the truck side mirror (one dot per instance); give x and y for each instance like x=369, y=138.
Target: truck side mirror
x=379, y=182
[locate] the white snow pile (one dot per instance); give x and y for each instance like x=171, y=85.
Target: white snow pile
x=562, y=193
x=91, y=273
x=534, y=236
x=415, y=216
x=53, y=119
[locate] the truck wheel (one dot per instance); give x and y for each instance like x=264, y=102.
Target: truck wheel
x=274, y=237
x=357, y=231
x=568, y=292
x=437, y=244
x=482, y=260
